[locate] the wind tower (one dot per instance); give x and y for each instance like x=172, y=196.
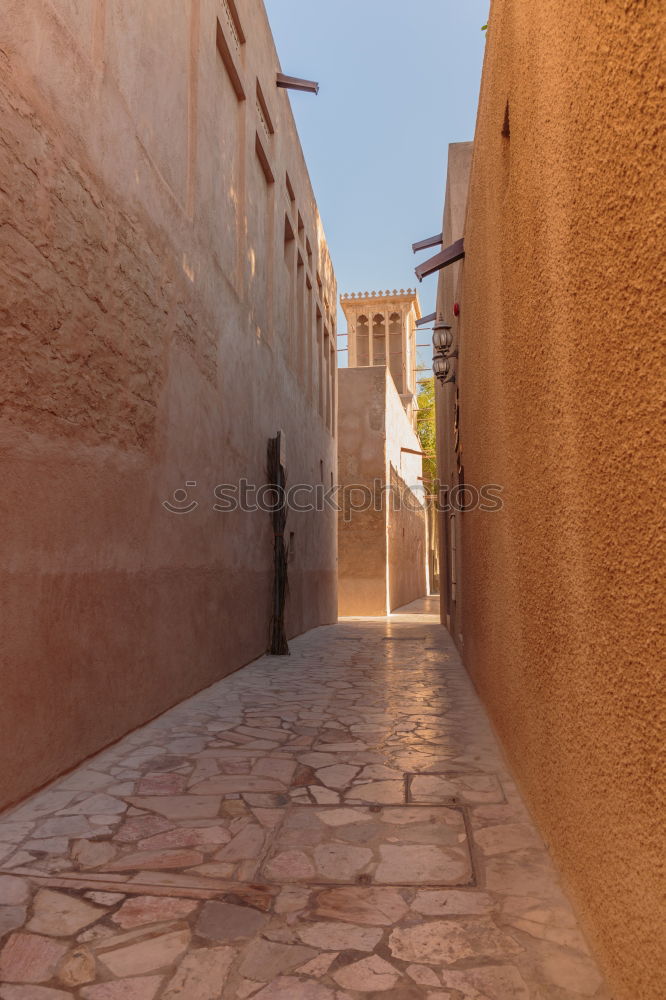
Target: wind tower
x=381, y=329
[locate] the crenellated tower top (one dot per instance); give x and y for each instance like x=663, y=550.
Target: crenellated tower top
x=381, y=328
x=404, y=292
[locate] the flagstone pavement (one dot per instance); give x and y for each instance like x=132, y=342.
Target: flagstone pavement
x=335, y=825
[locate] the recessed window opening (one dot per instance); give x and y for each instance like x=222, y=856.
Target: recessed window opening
x=320, y=358
x=362, y=341
x=234, y=21
x=395, y=349
x=262, y=156
x=506, y=127
x=228, y=61
x=288, y=231
x=264, y=113
x=378, y=340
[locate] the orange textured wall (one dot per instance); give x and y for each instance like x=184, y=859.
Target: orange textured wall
x=560, y=384
x=146, y=326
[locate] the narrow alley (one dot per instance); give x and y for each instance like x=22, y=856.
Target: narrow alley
x=336, y=825
x=331, y=573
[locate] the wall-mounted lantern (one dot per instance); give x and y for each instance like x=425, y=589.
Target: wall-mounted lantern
x=441, y=366
x=442, y=338
x=442, y=341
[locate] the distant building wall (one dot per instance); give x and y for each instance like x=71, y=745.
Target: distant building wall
x=381, y=330
x=381, y=549
x=559, y=400
x=167, y=304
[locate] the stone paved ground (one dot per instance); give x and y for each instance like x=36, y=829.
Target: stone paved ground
x=337, y=825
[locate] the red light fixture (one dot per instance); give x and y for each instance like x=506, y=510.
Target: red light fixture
x=456, y=309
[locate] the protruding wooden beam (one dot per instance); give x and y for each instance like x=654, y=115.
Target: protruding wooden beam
x=449, y=256
x=295, y=83
x=430, y=318
x=432, y=241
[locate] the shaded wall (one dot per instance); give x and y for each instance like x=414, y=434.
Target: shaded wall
x=559, y=388
x=406, y=546
x=450, y=467
x=148, y=303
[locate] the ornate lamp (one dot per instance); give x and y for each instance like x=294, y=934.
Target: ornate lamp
x=442, y=338
x=441, y=366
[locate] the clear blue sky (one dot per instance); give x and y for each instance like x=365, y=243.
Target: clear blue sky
x=399, y=81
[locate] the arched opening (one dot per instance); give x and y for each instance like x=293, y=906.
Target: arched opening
x=362, y=341
x=506, y=126
x=378, y=340
x=395, y=350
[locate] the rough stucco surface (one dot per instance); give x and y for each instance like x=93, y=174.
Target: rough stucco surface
x=559, y=384
x=139, y=245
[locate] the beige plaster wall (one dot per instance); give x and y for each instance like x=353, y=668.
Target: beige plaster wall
x=381, y=549
x=406, y=516
x=362, y=542
x=147, y=315
x=560, y=388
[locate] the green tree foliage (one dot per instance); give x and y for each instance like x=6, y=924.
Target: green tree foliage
x=425, y=428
